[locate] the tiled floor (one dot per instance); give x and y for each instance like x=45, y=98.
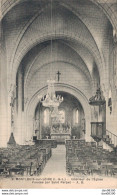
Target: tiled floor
x=56, y=166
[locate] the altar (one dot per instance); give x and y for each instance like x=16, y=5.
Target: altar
x=60, y=132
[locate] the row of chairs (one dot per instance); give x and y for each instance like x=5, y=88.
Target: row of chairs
x=87, y=158
x=24, y=160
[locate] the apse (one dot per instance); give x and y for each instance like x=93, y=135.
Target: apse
x=69, y=122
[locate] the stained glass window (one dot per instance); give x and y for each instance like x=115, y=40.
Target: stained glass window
x=46, y=116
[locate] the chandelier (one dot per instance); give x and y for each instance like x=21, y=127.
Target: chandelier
x=51, y=99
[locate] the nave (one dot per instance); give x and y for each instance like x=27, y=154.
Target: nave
x=47, y=159
x=58, y=92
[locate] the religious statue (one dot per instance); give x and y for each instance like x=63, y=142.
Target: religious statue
x=12, y=104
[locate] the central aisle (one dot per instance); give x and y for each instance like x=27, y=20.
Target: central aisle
x=56, y=166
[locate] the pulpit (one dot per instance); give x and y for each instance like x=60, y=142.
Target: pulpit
x=98, y=124
x=97, y=130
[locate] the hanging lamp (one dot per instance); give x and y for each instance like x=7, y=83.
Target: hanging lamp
x=51, y=99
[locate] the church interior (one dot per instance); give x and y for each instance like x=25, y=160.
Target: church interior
x=58, y=87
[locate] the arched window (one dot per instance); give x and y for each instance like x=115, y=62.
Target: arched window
x=62, y=116
x=46, y=116
x=76, y=116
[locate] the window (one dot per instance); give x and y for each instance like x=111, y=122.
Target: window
x=76, y=116
x=46, y=116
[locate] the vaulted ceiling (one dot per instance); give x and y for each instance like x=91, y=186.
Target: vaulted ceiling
x=81, y=31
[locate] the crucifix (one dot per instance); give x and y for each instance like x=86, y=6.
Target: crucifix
x=58, y=73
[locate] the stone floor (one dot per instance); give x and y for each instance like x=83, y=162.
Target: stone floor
x=56, y=166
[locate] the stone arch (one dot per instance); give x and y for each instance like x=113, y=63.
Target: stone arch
x=64, y=59
x=30, y=108
x=57, y=36
x=21, y=34
x=11, y=4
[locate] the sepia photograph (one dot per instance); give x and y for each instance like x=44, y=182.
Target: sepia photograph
x=58, y=94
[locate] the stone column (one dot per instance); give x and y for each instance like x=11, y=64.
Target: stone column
x=40, y=128
x=4, y=131
x=88, y=137
x=114, y=86
x=19, y=134
x=111, y=119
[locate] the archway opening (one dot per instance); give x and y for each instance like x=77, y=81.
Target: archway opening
x=68, y=122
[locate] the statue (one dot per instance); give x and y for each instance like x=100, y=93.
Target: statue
x=12, y=104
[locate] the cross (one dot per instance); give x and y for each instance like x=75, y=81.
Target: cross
x=58, y=73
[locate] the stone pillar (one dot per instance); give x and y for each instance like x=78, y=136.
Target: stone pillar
x=112, y=118
x=40, y=128
x=4, y=131
x=41, y=123
x=29, y=127
x=88, y=137
x=12, y=109
x=114, y=90
x=19, y=133
x=36, y=125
